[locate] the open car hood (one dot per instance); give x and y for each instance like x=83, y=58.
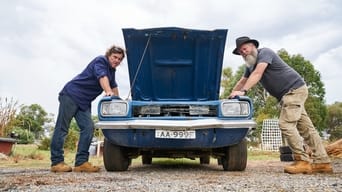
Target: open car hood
x=174, y=64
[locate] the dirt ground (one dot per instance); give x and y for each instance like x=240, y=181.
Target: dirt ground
x=258, y=176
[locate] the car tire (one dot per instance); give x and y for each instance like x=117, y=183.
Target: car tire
x=146, y=159
x=205, y=160
x=114, y=157
x=235, y=158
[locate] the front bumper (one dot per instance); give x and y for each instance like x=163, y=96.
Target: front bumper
x=177, y=124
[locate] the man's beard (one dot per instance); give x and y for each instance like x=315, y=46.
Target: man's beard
x=251, y=58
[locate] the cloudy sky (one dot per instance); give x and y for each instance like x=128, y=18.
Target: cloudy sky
x=44, y=44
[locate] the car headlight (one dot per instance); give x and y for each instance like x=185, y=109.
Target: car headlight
x=235, y=108
x=114, y=108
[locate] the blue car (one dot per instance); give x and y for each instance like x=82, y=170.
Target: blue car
x=174, y=110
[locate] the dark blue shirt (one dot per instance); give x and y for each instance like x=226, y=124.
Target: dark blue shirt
x=85, y=87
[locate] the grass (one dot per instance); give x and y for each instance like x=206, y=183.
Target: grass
x=263, y=155
x=29, y=156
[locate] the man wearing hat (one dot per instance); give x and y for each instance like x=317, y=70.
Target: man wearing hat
x=284, y=83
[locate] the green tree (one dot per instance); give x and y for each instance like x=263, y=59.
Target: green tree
x=229, y=80
x=32, y=118
x=226, y=81
x=334, y=121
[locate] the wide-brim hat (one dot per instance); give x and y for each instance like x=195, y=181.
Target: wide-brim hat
x=242, y=40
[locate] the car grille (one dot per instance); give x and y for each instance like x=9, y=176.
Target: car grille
x=175, y=111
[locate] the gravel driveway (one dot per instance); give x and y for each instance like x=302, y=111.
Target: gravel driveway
x=258, y=176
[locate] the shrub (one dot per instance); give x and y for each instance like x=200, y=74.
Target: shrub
x=25, y=136
x=8, y=109
x=45, y=143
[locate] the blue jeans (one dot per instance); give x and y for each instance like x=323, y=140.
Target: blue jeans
x=67, y=110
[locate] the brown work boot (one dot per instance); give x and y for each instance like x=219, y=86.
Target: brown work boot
x=322, y=168
x=299, y=167
x=61, y=167
x=86, y=167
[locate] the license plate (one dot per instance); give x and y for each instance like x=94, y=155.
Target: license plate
x=170, y=134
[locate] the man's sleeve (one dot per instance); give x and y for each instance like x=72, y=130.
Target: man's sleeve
x=266, y=55
x=100, y=67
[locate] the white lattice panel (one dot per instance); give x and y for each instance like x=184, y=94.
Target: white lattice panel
x=271, y=138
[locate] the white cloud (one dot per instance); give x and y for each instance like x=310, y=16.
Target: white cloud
x=43, y=44
x=330, y=69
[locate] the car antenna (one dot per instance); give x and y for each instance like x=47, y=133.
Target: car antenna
x=141, y=60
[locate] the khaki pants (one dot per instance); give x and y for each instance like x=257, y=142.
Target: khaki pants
x=296, y=126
